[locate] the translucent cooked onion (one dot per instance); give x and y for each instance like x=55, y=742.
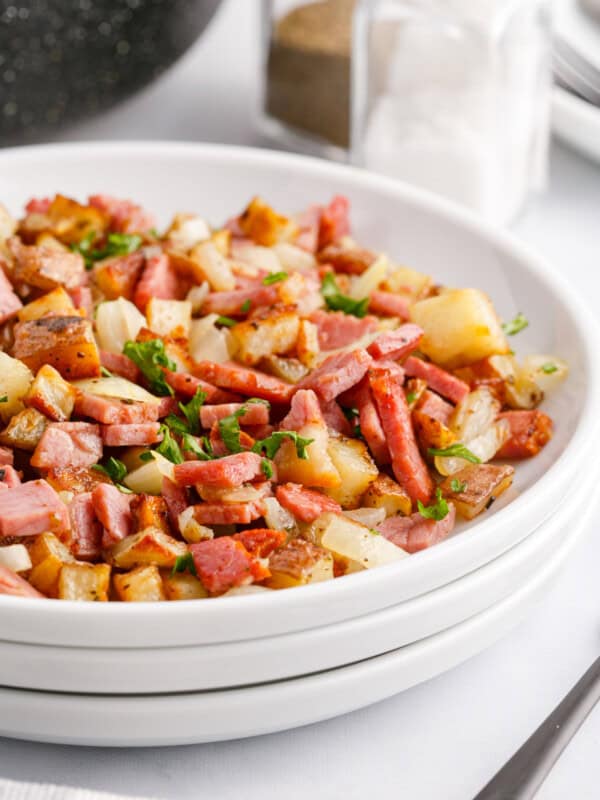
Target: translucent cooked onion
x=117, y=388
x=117, y=322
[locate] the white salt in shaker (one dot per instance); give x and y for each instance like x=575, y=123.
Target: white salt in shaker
x=453, y=96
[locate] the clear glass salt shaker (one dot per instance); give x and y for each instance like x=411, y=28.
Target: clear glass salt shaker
x=454, y=96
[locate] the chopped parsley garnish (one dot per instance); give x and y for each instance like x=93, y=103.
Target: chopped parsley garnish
x=169, y=447
x=117, y=244
x=549, y=368
x=457, y=450
x=437, y=510
x=177, y=425
x=350, y=413
x=4, y=398
x=410, y=398
x=336, y=301
x=229, y=427
x=457, y=486
x=518, y=324
x=274, y=277
x=273, y=442
x=189, y=443
x=246, y=306
x=227, y=322
x=106, y=373
x=266, y=468
x=374, y=531
x=116, y=471
x=191, y=411
x=146, y=456
x=150, y=357
x=184, y=564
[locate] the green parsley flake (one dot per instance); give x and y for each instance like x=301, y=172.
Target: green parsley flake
x=273, y=442
x=115, y=469
x=184, y=564
x=191, y=411
x=266, y=468
x=146, y=456
x=549, y=368
x=117, y=244
x=274, y=277
x=151, y=357
x=410, y=398
x=457, y=450
x=169, y=447
x=189, y=443
x=437, y=510
x=518, y=324
x=246, y=306
x=227, y=322
x=4, y=398
x=106, y=373
x=336, y=301
x=457, y=486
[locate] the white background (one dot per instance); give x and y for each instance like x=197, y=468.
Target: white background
x=444, y=739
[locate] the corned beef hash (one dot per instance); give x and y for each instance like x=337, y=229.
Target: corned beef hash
x=212, y=411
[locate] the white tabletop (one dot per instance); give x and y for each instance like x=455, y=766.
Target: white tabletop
x=444, y=739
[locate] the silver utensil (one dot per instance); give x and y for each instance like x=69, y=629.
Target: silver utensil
x=522, y=776
x=574, y=72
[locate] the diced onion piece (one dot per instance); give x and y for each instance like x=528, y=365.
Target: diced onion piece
x=293, y=258
x=208, y=343
x=546, y=371
x=191, y=530
x=246, y=493
x=264, y=258
x=356, y=468
x=187, y=230
x=372, y=277
x=352, y=541
x=369, y=517
x=197, y=295
x=169, y=317
x=214, y=267
x=521, y=389
x=15, y=380
x=148, y=478
x=117, y=321
x=116, y=387
x=474, y=414
x=15, y=557
x=485, y=446
x=277, y=517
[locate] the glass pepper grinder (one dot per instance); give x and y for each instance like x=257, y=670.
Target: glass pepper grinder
x=454, y=96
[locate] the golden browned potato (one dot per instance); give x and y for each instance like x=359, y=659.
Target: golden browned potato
x=408, y=282
x=24, y=430
x=186, y=231
x=76, y=479
x=298, y=563
x=183, y=586
x=414, y=390
x=307, y=344
x=141, y=585
x=474, y=488
x=150, y=511
x=274, y=335
x=117, y=277
x=356, y=469
x=46, y=267
x=55, y=302
x=387, y=494
x=461, y=327
x=15, y=380
x=66, y=219
x=84, y=582
x=431, y=432
x=48, y=556
x=264, y=226
x=150, y=546
x=51, y=395
x=316, y=470
x=66, y=343
x=208, y=263
x=169, y=317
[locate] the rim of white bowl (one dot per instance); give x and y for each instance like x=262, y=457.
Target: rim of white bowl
x=582, y=319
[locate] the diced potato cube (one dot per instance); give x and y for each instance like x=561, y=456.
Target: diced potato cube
x=387, y=494
x=355, y=467
x=84, y=582
x=307, y=344
x=118, y=388
x=51, y=395
x=24, y=430
x=316, y=470
x=117, y=322
x=15, y=557
x=76, y=480
x=408, y=282
x=461, y=327
x=117, y=276
x=274, y=335
x=371, y=278
x=46, y=267
x=431, y=432
x=474, y=488
x=141, y=585
x=66, y=343
x=15, y=380
x=169, y=317
x=48, y=556
x=150, y=511
x=264, y=226
x=150, y=546
x=212, y=266
x=288, y=369
x=148, y=478
x=207, y=342
x=183, y=586
x=55, y=302
x=298, y=563
x=70, y=221
x=186, y=231
x=352, y=542
x=222, y=240
x=191, y=530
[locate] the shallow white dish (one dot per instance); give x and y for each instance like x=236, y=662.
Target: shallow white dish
x=213, y=666
x=413, y=227
x=190, y=718
x=576, y=121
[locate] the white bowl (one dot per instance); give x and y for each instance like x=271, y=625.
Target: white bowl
x=195, y=717
x=414, y=228
x=127, y=671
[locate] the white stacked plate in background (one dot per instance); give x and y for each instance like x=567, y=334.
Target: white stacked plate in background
x=194, y=671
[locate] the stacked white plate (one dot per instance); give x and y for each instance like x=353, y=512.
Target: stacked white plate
x=117, y=674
